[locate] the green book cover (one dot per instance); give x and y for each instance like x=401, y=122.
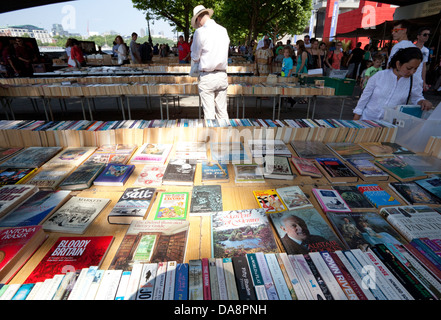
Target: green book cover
x=172, y=206
x=400, y=169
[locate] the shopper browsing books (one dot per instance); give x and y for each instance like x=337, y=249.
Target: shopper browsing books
x=210, y=49
x=392, y=87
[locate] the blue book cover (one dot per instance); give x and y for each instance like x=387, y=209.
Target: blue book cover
x=35, y=209
x=431, y=184
x=214, y=171
x=114, y=174
x=23, y=291
x=377, y=195
x=181, y=282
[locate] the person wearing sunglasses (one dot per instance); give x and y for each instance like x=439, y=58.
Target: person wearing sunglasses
x=400, y=33
x=422, y=37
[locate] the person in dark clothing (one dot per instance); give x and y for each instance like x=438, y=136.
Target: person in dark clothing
x=354, y=61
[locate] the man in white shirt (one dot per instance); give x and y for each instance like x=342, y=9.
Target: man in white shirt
x=307, y=41
x=210, y=49
x=422, y=37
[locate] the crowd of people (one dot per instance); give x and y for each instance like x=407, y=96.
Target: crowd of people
x=17, y=57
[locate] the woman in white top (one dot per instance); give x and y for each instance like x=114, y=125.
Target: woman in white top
x=122, y=51
x=392, y=87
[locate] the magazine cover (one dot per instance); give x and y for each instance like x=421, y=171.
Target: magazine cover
x=311, y=149
x=82, y=177
x=294, y=198
x=305, y=230
x=32, y=157
x=75, y=215
x=35, y=209
x=229, y=152
x=305, y=167
x=215, y=171
x=72, y=156
x=277, y=167
x=145, y=239
x=152, y=153
x=13, y=195
x=367, y=169
x=50, y=177
x=15, y=175
x=151, y=175
x=172, y=206
x=353, y=197
x=349, y=150
x=114, y=175
x=412, y=193
x=206, y=199
x=179, y=172
x=70, y=254
x=431, y=184
x=400, y=169
x=269, y=200
x=330, y=200
x=361, y=230
x=238, y=232
x=133, y=204
x=261, y=148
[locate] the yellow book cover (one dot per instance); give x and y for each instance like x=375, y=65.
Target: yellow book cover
x=269, y=200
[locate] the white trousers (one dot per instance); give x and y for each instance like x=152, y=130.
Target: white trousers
x=213, y=92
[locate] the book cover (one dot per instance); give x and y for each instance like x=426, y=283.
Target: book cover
x=412, y=193
x=32, y=157
x=82, y=177
x=195, y=281
x=172, y=206
x=349, y=151
x=431, y=184
x=214, y=171
x=330, y=200
x=277, y=167
x=237, y=232
x=150, y=175
x=50, y=177
x=71, y=253
x=361, y=230
x=5, y=153
x=149, y=241
x=244, y=282
x=414, y=222
x=114, y=175
x=12, y=195
x=34, y=210
x=335, y=170
x=269, y=200
x=377, y=149
x=400, y=169
x=133, y=204
x=305, y=230
x=153, y=153
x=293, y=197
x=424, y=163
x=367, y=170
x=229, y=152
x=311, y=149
x=262, y=148
x=248, y=173
x=306, y=167
x=377, y=195
x=15, y=175
x=353, y=197
x=72, y=156
x=179, y=172
x=397, y=149
x=205, y=199
x=17, y=245
x=75, y=215
x=191, y=150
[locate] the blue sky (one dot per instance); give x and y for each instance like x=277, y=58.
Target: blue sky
x=102, y=16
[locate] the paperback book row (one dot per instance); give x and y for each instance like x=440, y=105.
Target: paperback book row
x=383, y=272
x=138, y=78
x=68, y=89
x=95, y=133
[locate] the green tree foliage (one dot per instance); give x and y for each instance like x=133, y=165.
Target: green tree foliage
x=253, y=18
x=178, y=13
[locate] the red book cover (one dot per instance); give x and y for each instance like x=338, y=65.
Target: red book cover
x=206, y=279
x=16, y=246
x=305, y=167
x=70, y=254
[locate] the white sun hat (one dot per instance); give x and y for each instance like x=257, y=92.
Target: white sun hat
x=197, y=11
